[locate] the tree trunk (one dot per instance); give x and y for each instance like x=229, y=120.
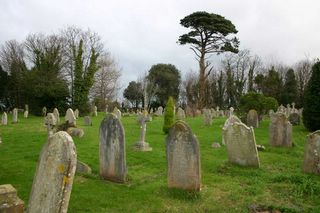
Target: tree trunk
x=202, y=81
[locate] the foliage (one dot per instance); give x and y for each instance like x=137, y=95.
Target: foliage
x=134, y=93
x=257, y=101
x=311, y=103
x=169, y=115
x=209, y=34
x=166, y=78
x=290, y=88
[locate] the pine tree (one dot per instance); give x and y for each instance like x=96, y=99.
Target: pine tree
x=168, y=115
x=311, y=102
x=290, y=88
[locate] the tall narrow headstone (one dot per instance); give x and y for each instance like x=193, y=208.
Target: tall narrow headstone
x=280, y=131
x=15, y=115
x=53, y=179
x=57, y=115
x=241, y=145
x=112, y=150
x=183, y=158
x=311, y=162
x=95, y=111
x=70, y=117
x=4, y=119
x=44, y=111
x=253, y=118
x=76, y=113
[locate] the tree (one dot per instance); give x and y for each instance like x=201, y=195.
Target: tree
x=166, y=78
x=106, y=82
x=257, y=101
x=290, y=88
x=311, y=102
x=272, y=84
x=4, y=87
x=303, y=72
x=134, y=93
x=168, y=115
x=208, y=35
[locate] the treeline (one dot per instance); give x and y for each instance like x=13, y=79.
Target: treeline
x=70, y=68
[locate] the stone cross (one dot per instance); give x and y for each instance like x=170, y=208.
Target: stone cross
x=183, y=158
x=70, y=117
x=52, y=184
x=280, y=130
x=50, y=122
x=311, y=162
x=141, y=145
x=57, y=115
x=4, y=119
x=112, y=150
x=241, y=145
x=15, y=115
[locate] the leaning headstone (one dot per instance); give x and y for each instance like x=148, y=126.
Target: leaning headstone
x=141, y=145
x=253, y=118
x=112, y=150
x=50, y=122
x=95, y=111
x=117, y=112
x=83, y=168
x=70, y=117
x=4, y=119
x=183, y=158
x=241, y=145
x=53, y=179
x=311, y=162
x=181, y=115
x=207, y=116
x=9, y=201
x=280, y=131
x=57, y=115
x=76, y=113
x=87, y=121
x=25, y=114
x=44, y=111
x=294, y=118
x=15, y=115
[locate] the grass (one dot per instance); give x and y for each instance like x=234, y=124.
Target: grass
x=278, y=184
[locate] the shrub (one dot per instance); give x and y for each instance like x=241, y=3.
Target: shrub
x=311, y=102
x=168, y=115
x=257, y=101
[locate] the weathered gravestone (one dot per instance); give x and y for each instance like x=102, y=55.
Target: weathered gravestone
x=141, y=145
x=181, y=115
x=232, y=119
x=53, y=179
x=15, y=115
x=159, y=111
x=4, y=119
x=117, y=112
x=69, y=117
x=112, y=150
x=50, y=122
x=241, y=145
x=87, y=121
x=57, y=115
x=253, y=118
x=26, y=107
x=44, y=111
x=76, y=113
x=9, y=201
x=312, y=153
x=183, y=158
x=25, y=114
x=75, y=132
x=83, y=168
x=207, y=116
x=280, y=131
x=294, y=118
x=95, y=111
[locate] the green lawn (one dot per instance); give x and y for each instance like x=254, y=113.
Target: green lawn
x=279, y=183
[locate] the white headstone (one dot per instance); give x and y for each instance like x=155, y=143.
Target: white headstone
x=70, y=117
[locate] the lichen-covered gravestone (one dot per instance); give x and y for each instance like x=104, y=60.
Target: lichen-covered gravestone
x=253, y=118
x=57, y=115
x=53, y=180
x=69, y=117
x=241, y=145
x=280, y=131
x=183, y=158
x=4, y=119
x=15, y=115
x=112, y=150
x=312, y=153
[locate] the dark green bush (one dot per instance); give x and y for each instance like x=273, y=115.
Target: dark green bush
x=257, y=101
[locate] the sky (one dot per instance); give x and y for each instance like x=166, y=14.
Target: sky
x=141, y=33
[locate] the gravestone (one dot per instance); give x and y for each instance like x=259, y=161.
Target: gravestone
x=25, y=114
x=95, y=111
x=181, y=115
x=311, y=162
x=241, y=145
x=70, y=118
x=56, y=115
x=15, y=115
x=75, y=132
x=87, y=121
x=288, y=110
x=271, y=112
x=232, y=119
x=4, y=119
x=50, y=122
x=83, y=168
x=281, y=109
x=117, y=112
x=207, y=116
x=159, y=111
x=76, y=113
x=26, y=107
x=183, y=158
x=280, y=131
x=53, y=179
x=253, y=118
x=112, y=150
x=294, y=118
x=141, y=145
x=9, y=201
x=44, y=111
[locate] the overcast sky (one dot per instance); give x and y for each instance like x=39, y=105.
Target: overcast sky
x=140, y=33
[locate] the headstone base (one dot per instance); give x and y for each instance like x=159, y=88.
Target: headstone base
x=142, y=146
x=9, y=202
